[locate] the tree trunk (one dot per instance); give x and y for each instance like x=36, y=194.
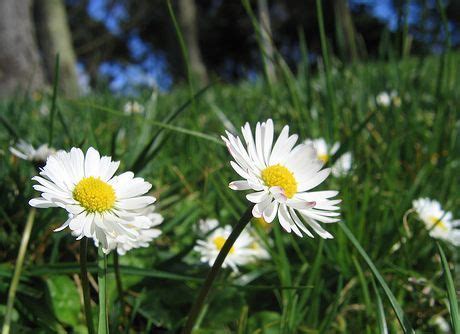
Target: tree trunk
x=345, y=30
x=266, y=40
x=20, y=65
x=189, y=26
x=54, y=37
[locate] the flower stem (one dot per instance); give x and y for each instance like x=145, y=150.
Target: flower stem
x=17, y=271
x=212, y=274
x=85, y=285
x=116, y=265
x=103, y=327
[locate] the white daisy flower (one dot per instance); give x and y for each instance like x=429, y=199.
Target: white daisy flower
x=281, y=176
x=260, y=253
x=145, y=228
x=441, y=323
x=100, y=205
x=383, y=99
x=395, y=99
x=133, y=107
x=207, y=225
x=44, y=110
x=262, y=223
x=342, y=166
x=438, y=222
x=26, y=151
x=241, y=253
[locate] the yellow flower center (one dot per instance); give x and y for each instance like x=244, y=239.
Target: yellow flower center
x=280, y=176
x=262, y=223
x=323, y=157
x=94, y=195
x=438, y=223
x=219, y=241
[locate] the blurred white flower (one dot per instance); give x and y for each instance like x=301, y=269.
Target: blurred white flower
x=383, y=99
x=262, y=223
x=245, y=250
x=207, y=225
x=441, y=323
x=281, y=176
x=43, y=110
x=395, y=99
x=26, y=151
x=342, y=166
x=133, y=107
x=100, y=205
x=260, y=253
x=146, y=231
x=439, y=223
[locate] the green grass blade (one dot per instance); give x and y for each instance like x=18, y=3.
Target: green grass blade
x=451, y=294
x=53, y=101
x=11, y=130
x=383, y=327
x=403, y=321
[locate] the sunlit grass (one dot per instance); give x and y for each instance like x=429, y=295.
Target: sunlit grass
x=399, y=153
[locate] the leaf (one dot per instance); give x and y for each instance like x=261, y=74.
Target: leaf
x=64, y=299
x=266, y=322
x=403, y=321
x=383, y=327
x=451, y=294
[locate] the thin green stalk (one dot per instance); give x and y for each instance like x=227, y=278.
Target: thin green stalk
x=184, y=50
x=327, y=67
x=53, y=101
x=103, y=326
x=17, y=271
x=403, y=321
x=212, y=274
x=451, y=294
x=116, y=265
x=85, y=285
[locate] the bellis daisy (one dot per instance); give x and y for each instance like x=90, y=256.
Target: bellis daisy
x=282, y=175
x=245, y=250
x=384, y=99
x=207, y=225
x=145, y=228
x=438, y=222
x=26, y=151
x=100, y=205
x=133, y=107
x=342, y=166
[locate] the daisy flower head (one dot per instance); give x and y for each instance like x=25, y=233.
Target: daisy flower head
x=262, y=224
x=383, y=99
x=100, y=205
x=145, y=224
x=133, y=107
x=241, y=253
x=342, y=165
x=26, y=151
x=207, y=225
x=259, y=252
x=324, y=152
x=439, y=223
x=282, y=176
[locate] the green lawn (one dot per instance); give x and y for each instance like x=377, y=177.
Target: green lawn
x=400, y=153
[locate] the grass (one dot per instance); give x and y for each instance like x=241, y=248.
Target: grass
x=372, y=277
